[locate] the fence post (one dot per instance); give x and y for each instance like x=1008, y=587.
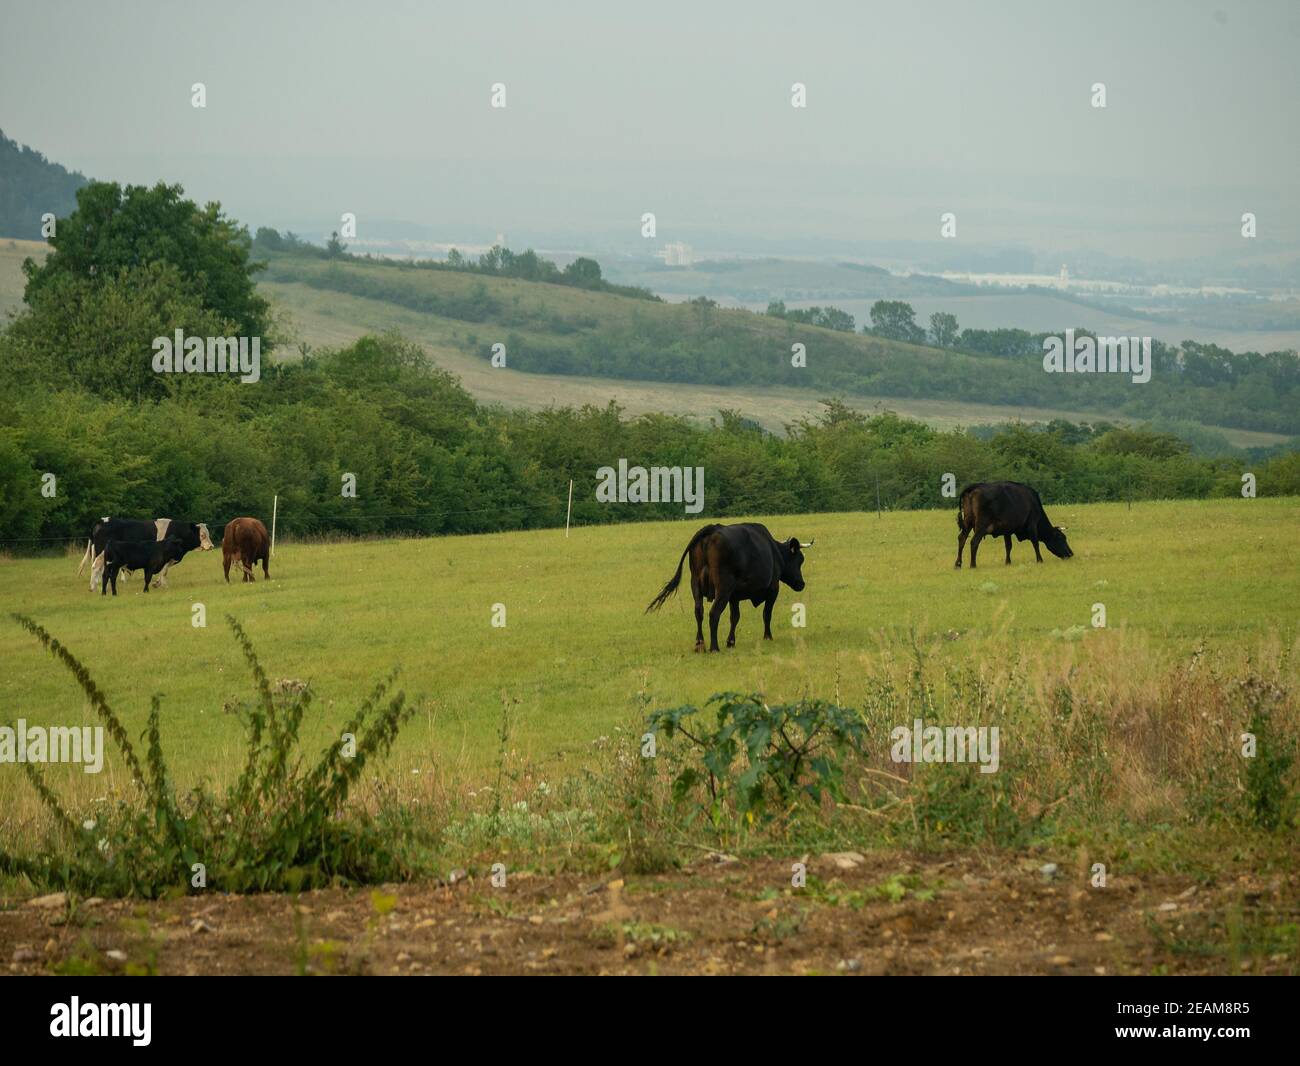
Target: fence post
x=569, y=513
x=275, y=508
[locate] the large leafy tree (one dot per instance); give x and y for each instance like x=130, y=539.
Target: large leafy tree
x=116, y=228
x=943, y=329
x=97, y=334
x=897, y=321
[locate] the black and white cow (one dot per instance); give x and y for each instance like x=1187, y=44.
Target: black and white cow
x=193, y=536
x=151, y=556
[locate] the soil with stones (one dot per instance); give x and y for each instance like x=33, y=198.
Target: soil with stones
x=877, y=914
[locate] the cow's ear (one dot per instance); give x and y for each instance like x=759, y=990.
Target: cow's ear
x=793, y=545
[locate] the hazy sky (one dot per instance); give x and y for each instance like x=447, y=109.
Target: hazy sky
x=683, y=109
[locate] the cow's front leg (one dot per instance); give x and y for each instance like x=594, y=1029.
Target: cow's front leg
x=1037, y=554
x=961, y=544
x=975, y=547
x=1007, y=539
x=147, y=578
x=735, y=617
x=767, y=616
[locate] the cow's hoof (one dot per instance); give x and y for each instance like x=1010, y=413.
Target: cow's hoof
x=699, y=647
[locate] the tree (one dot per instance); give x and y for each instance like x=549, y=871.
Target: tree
x=98, y=334
x=335, y=247
x=943, y=329
x=897, y=321
x=115, y=228
x=583, y=272
x=268, y=239
x=834, y=318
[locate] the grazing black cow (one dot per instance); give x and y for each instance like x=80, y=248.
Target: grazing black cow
x=734, y=563
x=193, y=535
x=153, y=557
x=1006, y=509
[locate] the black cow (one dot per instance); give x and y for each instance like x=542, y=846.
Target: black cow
x=734, y=563
x=1006, y=509
x=192, y=535
x=153, y=557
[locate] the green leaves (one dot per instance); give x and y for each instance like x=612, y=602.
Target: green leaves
x=758, y=760
x=279, y=828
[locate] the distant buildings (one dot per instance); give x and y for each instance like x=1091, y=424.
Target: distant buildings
x=677, y=254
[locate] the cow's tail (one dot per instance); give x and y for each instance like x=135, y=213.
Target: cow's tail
x=965, y=522
x=89, y=551
x=676, y=579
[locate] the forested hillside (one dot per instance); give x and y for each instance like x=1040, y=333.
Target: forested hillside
x=32, y=186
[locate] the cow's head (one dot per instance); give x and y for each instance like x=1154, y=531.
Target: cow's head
x=205, y=541
x=792, y=563
x=1054, y=538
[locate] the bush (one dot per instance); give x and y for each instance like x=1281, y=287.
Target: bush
x=279, y=828
x=791, y=753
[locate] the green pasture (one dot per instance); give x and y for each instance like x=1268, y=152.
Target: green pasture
x=578, y=658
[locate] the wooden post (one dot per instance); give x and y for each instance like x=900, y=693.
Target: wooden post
x=275, y=508
x=878, y=514
x=569, y=513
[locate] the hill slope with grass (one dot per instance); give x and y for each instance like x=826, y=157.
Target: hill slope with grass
x=550, y=329
x=316, y=315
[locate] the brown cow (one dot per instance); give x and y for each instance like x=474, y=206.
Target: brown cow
x=246, y=538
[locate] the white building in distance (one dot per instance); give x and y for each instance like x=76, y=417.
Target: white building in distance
x=678, y=254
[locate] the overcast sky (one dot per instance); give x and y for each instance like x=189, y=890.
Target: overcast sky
x=684, y=109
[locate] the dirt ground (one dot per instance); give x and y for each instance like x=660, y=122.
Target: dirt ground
x=878, y=914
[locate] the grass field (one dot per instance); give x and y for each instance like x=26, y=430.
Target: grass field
x=578, y=658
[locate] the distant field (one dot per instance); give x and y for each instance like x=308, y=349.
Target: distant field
x=577, y=658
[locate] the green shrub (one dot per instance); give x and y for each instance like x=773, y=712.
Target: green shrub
x=279, y=828
x=791, y=752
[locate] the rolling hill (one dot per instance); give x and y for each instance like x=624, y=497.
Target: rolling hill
x=456, y=317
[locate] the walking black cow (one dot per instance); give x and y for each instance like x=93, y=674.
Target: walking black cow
x=734, y=563
x=1006, y=509
x=153, y=558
